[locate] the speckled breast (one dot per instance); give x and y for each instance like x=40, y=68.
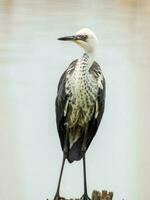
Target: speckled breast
x=82, y=90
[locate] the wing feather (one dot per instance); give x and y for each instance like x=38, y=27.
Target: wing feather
x=94, y=123
x=61, y=104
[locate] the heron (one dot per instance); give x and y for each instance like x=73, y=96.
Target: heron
x=79, y=103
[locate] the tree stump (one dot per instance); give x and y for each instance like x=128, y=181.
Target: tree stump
x=96, y=195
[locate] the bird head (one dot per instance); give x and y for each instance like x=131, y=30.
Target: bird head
x=84, y=38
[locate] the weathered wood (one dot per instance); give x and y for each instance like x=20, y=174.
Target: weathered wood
x=96, y=195
x=104, y=195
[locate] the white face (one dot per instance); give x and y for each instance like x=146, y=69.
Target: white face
x=90, y=43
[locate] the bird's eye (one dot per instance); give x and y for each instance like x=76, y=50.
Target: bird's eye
x=82, y=37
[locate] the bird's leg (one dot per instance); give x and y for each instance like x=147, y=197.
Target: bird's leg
x=61, y=171
x=65, y=152
x=83, y=149
x=85, y=195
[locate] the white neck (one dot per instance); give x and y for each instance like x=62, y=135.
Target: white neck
x=90, y=58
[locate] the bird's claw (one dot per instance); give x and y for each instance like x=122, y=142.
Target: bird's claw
x=85, y=197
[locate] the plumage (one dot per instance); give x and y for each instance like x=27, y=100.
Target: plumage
x=62, y=114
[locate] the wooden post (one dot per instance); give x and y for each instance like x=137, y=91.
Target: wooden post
x=104, y=195
x=96, y=195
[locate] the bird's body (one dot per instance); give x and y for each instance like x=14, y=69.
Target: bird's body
x=80, y=102
x=82, y=84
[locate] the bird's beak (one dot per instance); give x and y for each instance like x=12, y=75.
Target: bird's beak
x=74, y=38
x=68, y=38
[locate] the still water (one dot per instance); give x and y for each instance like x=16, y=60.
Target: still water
x=31, y=62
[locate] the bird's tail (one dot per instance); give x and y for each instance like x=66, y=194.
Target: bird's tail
x=75, y=153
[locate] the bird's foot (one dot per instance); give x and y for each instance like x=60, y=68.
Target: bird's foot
x=85, y=197
x=57, y=197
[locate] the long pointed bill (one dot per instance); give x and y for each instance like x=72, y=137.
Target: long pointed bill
x=74, y=38
x=68, y=38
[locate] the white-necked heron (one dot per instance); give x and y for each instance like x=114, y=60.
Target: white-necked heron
x=80, y=103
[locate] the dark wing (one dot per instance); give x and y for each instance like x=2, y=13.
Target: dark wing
x=60, y=103
x=95, y=70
